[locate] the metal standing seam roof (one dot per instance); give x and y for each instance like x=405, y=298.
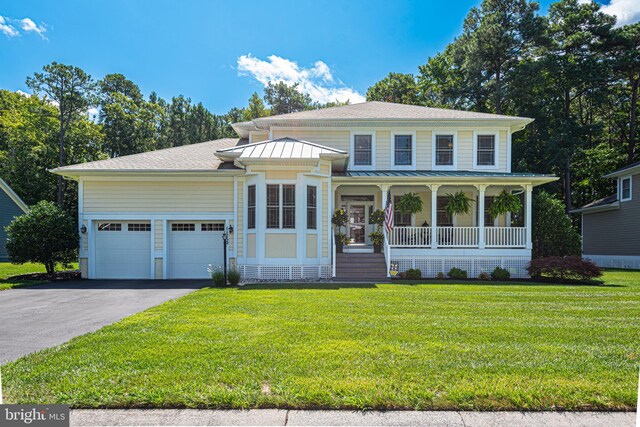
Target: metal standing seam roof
x=281, y=148
x=432, y=173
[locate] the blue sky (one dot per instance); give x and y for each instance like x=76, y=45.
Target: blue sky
x=218, y=53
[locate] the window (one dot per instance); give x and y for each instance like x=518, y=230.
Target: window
x=625, y=189
x=251, y=207
x=139, y=227
x=273, y=206
x=489, y=221
x=403, y=150
x=109, y=226
x=218, y=226
x=311, y=207
x=183, y=227
x=281, y=205
x=362, y=150
x=400, y=219
x=444, y=219
x=486, y=150
x=444, y=150
x=288, y=206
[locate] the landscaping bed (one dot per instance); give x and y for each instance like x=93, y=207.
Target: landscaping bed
x=447, y=346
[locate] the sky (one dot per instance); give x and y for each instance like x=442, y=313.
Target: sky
x=220, y=52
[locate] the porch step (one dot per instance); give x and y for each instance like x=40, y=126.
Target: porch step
x=361, y=267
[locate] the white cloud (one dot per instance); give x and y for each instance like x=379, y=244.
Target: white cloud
x=318, y=81
x=627, y=11
x=7, y=28
x=28, y=25
x=23, y=93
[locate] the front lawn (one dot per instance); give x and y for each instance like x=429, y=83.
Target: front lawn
x=431, y=346
x=8, y=269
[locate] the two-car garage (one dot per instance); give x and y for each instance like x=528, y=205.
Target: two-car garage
x=123, y=249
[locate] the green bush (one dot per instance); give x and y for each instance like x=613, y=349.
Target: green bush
x=500, y=274
x=46, y=235
x=414, y=274
x=234, y=277
x=552, y=231
x=218, y=278
x=484, y=276
x=456, y=273
x=441, y=276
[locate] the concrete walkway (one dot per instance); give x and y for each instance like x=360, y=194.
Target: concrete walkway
x=281, y=417
x=37, y=317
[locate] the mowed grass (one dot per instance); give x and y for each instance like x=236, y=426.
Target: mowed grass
x=432, y=346
x=8, y=269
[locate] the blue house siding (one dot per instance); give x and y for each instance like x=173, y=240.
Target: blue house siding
x=8, y=210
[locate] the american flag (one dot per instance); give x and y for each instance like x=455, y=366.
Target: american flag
x=388, y=214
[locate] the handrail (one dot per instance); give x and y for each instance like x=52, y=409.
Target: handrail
x=387, y=252
x=333, y=253
x=456, y=237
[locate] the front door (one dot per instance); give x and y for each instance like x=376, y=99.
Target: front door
x=357, y=224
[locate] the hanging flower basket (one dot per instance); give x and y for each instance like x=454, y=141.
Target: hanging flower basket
x=409, y=203
x=503, y=203
x=458, y=204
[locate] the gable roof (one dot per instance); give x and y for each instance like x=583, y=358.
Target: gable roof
x=280, y=149
x=185, y=158
x=13, y=196
x=632, y=168
x=606, y=203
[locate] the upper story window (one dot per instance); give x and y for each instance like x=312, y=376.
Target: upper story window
x=251, y=207
x=312, y=206
x=486, y=150
x=281, y=206
x=402, y=150
x=362, y=150
x=625, y=189
x=444, y=150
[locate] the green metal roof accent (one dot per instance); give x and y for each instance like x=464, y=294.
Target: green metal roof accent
x=431, y=173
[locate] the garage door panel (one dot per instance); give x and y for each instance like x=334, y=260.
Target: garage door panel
x=191, y=252
x=122, y=254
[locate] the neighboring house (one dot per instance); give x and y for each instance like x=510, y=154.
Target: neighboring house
x=162, y=214
x=11, y=206
x=611, y=226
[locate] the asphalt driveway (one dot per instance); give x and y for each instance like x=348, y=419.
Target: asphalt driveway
x=42, y=316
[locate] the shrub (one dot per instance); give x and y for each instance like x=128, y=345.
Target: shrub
x=234, y=277
x=456, y=273
x=484, y=276
x=414, y=274
x=552, y=231
x=46, y=235
x=563, y=268
x=441, y=276
x=218, y=277
x=500, y=274
x=402, y=275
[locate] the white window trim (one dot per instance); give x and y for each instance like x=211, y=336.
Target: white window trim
x=496, y=148
x=630, y=188
x=280, y=229
x=355, y=132
x=392, y=143
x=316, y=184
x=455, y=150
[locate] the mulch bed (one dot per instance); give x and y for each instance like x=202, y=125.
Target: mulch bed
x=58, y=276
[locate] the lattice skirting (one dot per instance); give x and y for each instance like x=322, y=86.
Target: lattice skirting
x=615, y=261
x=285, y=272
x=430, y=266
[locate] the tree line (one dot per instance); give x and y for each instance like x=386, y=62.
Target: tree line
x=572, y=71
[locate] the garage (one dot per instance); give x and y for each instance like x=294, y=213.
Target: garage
x=123, y=250
x=193, y=245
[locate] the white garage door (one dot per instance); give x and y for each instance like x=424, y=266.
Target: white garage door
x=123, y=250
x=193, y=245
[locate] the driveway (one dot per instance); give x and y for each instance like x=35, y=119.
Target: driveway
x=42, y=316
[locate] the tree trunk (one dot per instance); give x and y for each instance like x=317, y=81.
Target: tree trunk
x=633, y=119
x=567, y=184
x=50, y=267
x=60, y=159
x=498, y=90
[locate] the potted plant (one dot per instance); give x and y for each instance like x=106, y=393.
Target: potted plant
x=457, y=204
x=503, y=203
x=340, y=219
x=409, y=203
x=377, y=238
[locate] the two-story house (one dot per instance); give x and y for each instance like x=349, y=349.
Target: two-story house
x=274, y=189
x=610, y=226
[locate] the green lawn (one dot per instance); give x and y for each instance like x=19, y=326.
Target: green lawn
x=431, y=346
x=7, y=270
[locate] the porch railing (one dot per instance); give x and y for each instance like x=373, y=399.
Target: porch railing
x=505, y=237
x=458, y=237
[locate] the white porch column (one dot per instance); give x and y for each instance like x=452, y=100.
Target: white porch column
x=385, y=189
x=528, y=189
x=434, y=215
x=481, y=188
